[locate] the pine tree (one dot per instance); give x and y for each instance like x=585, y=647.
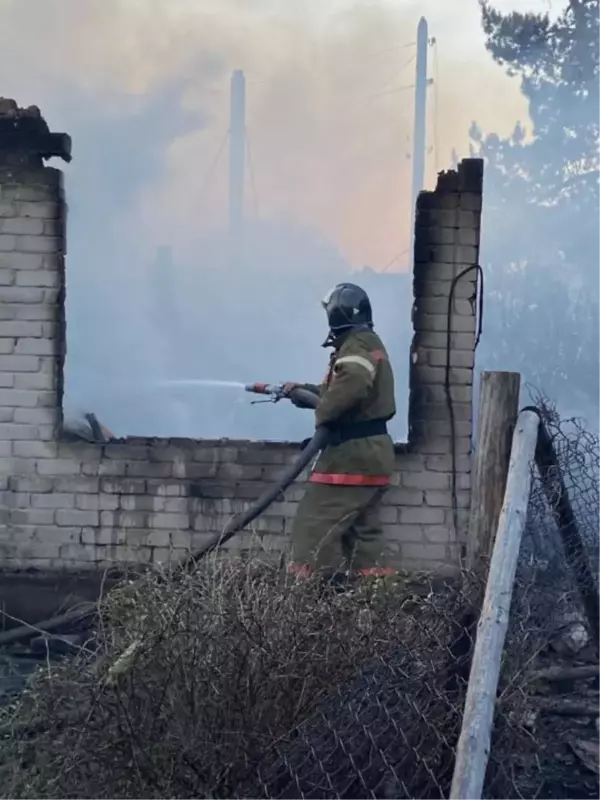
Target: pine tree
x=540, y=240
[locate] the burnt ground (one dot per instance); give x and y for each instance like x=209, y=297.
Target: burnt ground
x=361, y=743
x=561, y=717
x=354, y=739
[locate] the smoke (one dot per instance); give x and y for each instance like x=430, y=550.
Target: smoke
x=143, y=88
x=329, y=133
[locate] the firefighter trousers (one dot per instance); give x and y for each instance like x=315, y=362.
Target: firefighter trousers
x=337, y=529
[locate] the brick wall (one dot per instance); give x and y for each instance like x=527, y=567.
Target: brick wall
x=75, y=505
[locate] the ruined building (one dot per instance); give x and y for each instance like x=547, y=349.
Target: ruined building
x=81, y=506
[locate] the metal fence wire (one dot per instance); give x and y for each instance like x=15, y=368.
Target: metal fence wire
x=392, y=733
x=232, y=682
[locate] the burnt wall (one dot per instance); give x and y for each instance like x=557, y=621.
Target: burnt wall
x=75, y=505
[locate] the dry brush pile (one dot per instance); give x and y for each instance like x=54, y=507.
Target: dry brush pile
x=230, y=681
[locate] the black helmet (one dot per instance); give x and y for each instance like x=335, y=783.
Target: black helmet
x=347, y=306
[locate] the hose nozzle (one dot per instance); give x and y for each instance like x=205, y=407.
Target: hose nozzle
x=272, y=390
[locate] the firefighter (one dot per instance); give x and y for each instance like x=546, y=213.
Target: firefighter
x=337, y=530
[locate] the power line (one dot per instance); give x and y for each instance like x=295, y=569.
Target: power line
x=397, y=257
x=408, y=63
x=396, y=74
x=391, y=49
x=263, y=80
x=393, y=91
x=346, y=78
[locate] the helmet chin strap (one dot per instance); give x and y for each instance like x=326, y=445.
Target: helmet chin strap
x=334, y=336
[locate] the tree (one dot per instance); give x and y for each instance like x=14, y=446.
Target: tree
x=540, y=238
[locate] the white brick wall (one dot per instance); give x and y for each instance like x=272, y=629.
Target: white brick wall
x=81, y=506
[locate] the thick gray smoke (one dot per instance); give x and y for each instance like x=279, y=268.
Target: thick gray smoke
x=153, y=295
x=540, y=238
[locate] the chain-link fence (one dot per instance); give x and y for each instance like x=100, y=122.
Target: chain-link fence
x=234, y=682
x=552, y=698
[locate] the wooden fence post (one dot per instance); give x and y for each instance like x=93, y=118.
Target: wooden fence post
x=498, y=410
x=473, y=747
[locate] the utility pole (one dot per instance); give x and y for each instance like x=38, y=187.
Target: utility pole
x=420, y=125
x=237, y=151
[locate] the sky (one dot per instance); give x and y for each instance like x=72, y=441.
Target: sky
x=329, y=102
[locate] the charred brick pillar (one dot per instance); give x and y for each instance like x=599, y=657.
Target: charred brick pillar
x=445, y=319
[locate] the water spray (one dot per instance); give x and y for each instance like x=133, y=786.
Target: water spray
x=201, y=382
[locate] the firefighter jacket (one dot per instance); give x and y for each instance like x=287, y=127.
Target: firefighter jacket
x=358, y=388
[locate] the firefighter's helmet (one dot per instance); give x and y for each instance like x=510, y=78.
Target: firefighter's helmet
x=347, y=307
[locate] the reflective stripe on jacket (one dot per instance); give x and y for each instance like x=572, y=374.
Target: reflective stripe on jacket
x=359, y=387
x=346, y=479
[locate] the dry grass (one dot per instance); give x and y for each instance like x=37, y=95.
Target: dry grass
x=190, y=681
x=233, y=682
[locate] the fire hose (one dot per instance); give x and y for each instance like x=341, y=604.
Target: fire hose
x=300, y=397
x=274, y=392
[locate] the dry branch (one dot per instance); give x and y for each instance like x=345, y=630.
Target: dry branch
x=559, y=674
x=24, y=632
x=238, y=674
x=567, y=708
